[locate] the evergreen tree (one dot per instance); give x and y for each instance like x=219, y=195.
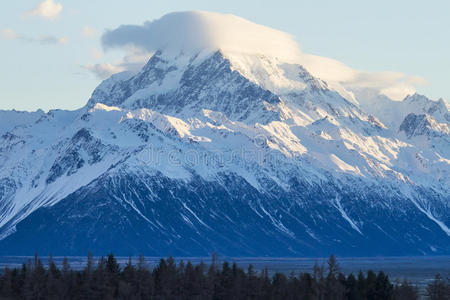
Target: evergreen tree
x=279, y=286
x=144, y=280
x=99, y=280
x=251, y=287
x=405, y=291
x=334, y=289
x=112, y=276
x=439, y=288
x=6, y=285
x=190, y=285
x=54, y=290
x=361, y=286
x=383, y=287
x=89, y=266
x=38, y=279
x=351, y=288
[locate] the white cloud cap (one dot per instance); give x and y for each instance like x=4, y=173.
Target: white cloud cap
x=195, y=30
x=47, y=9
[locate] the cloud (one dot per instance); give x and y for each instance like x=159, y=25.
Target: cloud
x=47, y=9
x=196, y=30
x=135, y=58
x=97, y=54
x=417, y=80
x=105, y=70
x=133, y=61
x=88, y=32
x=8, y=34
x=11, y=34
x=395, y=85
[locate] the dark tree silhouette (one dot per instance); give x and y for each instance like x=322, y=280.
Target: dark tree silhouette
x=439, y=288
x=106, y=279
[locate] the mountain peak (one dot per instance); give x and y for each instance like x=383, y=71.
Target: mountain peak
x=187, y=84
x=423, y=124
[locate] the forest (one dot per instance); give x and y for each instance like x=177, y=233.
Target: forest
x=104, y=278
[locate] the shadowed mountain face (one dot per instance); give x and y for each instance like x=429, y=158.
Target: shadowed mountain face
x=242, y=154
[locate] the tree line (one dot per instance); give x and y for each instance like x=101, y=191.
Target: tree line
x=106, y=279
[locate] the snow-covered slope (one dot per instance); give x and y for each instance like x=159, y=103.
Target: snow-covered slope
x=10, y=119
x=247, y=154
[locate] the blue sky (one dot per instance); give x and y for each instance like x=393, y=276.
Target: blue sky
x=46, y=54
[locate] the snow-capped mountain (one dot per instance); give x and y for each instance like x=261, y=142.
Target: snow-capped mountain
x=245, y=154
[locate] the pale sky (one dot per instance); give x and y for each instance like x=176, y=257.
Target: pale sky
x=49, y=49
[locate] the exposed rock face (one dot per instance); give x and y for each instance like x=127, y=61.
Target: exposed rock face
x=418, y=125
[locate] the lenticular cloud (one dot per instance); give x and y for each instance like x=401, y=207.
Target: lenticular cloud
x=184, y=32
x=195, y=30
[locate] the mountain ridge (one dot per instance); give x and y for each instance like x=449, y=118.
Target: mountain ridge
x=289, y=159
